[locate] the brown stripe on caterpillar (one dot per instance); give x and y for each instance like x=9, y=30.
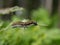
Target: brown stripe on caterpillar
x=22, y=24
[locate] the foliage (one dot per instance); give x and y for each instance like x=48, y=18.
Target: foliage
x=32, y=35
x=42, y=16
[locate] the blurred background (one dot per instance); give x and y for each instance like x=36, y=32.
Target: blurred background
x=45, y=12
x=52, y=6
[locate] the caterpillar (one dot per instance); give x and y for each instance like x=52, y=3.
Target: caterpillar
x=24, y=24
